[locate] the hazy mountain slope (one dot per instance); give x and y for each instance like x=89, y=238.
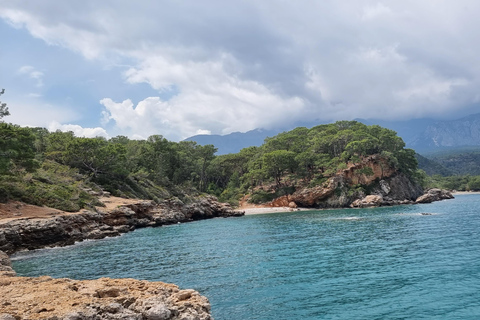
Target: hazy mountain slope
x=423, y=135
x=432, y=167
x=460, y=161
x=449, y=134
x=234, y=142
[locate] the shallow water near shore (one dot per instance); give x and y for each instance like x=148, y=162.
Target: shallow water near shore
x=382, y=263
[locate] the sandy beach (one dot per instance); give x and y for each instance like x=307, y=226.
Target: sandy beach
x=465, y=192
x=264, y=210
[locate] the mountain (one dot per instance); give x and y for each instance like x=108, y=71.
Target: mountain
x=432, y=167
x=408, y=130
x=423, y=135
x=458, y=161
x=449, y=134
x=234, y=142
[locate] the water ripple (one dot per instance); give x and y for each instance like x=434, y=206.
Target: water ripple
x=382, y=263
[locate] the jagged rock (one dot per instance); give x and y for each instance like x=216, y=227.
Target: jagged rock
x=434, y=195
x=292, y=205
x=309, y=197
x=6, y=266
x=62, y=230
x=339, y=191
x=368, y=201
x=48, y=298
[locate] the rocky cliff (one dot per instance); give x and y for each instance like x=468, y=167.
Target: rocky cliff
x=48, y=298
x=350, y=187
x=66, y=229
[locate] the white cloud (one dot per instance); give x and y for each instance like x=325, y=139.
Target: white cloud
x=251, y=66
x=32, y=112
x=204, y=132
x=374, y=11
x=78, y=130
x=32, y=73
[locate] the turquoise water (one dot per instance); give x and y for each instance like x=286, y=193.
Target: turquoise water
x=382, y=263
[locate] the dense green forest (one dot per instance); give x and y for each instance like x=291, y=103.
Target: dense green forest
x=63, y=171
x=66, y=172
x=453, y=169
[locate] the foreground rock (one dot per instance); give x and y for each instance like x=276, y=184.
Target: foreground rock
x=434, y=195
x=48, y=298
x=66, y=229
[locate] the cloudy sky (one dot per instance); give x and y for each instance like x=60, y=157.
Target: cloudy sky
x=183, y=67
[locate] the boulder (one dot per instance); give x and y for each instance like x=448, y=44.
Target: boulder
x=369, y=201
x=434, y=195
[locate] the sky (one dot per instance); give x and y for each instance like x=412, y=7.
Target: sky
x=185, y=67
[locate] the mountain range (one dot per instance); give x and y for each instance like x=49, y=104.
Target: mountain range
x=422, y=135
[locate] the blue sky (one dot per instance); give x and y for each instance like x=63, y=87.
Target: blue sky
x=179, y=68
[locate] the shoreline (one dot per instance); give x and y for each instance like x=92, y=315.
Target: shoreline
x=465, y=192
x=265, y=210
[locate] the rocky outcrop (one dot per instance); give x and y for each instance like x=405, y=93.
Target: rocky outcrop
x=386, y=186
x=434, y=195
x=62, y=230
x=368, y=201
x=48, y=298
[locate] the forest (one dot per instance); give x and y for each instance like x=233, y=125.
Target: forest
x=63, y=171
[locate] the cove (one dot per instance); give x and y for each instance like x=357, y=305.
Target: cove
x=403, y=262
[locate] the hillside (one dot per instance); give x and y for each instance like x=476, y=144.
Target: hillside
x=68, y=173
x=340, y=163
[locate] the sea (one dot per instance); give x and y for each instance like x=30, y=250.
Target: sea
x=403, y=262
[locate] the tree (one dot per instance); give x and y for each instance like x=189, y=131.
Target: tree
x=95, y=156
x=275, y=163
x=17, y=149
x=3, y=107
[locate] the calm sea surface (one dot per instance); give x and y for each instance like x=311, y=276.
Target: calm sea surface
x=382, y=263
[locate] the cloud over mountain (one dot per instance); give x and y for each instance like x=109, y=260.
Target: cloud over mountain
x=234, y=66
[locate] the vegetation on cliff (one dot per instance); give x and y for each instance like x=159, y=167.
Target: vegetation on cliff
x=308, y=157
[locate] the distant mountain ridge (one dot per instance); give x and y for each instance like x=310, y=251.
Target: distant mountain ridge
x=449, y=134
x=234, y=142
x=423, y=135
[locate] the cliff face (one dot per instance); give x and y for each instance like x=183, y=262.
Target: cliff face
x=62, y=230
x=48, y=298
x=455, y=133
x=382, y=180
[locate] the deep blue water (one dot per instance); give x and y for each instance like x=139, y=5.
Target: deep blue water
x=382, y=263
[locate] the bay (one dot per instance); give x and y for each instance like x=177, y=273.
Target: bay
x=403, y=262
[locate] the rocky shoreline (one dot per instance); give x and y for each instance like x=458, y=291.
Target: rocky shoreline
x=66, y=229
x=48, y=298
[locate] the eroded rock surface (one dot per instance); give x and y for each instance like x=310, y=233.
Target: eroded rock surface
x=61, y=230
x=48, y=298
x=386, y=186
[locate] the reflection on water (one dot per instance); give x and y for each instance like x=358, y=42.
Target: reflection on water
x=382, y=263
